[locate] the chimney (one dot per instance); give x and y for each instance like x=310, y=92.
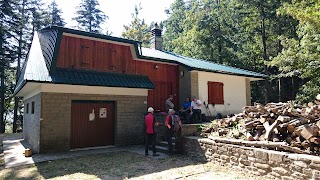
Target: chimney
x=156, y=39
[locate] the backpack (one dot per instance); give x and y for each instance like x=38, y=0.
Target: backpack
x=175, y=123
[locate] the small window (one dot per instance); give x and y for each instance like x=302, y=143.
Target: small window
x=27, y=108
x=32, y=107
x=215, y=93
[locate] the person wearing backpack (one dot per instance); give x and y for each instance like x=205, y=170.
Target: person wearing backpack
x=151, y=134
x=173, y=124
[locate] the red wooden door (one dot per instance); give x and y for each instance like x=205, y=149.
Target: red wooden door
x=86, y=132
x=158, y=96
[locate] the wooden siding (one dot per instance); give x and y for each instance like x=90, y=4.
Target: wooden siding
x=94, y=55
x=87, y=54
x=165, y=78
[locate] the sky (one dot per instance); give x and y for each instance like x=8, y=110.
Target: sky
x=118, y=11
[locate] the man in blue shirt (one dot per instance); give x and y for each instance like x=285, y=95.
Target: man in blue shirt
x=186, y=110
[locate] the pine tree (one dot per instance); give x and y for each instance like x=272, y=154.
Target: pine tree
x=89, y=16
x=55, y=15
x=137, y=29
x=31, y=18
x=7, y=22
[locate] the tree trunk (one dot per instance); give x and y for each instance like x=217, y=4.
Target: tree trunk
x=16, y=99
x=2, y=91
x=264, y=40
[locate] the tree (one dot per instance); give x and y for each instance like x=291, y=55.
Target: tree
x=137, y=29
x=31, y=17
x=89, y=16
x=174, y=24
x=300, y=56
x=55, y=14
x=8, y=20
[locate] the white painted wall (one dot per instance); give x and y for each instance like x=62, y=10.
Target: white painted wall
x=234, y=90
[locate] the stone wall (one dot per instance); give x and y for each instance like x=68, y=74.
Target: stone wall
x=195, y=84
x=31, y=125
x=184, y=85
x=266, y=163
x=56, y=118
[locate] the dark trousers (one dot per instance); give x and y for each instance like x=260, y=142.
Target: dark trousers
x=170, y=134
x=196, y=115
x=178, y=142
x=150, y=140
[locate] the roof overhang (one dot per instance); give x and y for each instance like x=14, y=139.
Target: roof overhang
x=31, y=89
x=252, y=78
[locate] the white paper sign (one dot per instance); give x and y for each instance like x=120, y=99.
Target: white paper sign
x=92, y=116
x=103, y=113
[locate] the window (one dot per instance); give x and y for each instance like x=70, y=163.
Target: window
x=27, y=108
x=215, y=93
x=32, y=107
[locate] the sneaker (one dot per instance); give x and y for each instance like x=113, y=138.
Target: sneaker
x=155, y=154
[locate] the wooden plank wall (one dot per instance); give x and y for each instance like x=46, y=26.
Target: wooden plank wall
x=87, y=54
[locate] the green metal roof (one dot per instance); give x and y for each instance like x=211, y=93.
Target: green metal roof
x=36, y=70
x=196, y=64
x=94, y=78
x=41, y=62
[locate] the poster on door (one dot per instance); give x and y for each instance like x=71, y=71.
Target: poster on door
x=92, y=116
x=103, y=113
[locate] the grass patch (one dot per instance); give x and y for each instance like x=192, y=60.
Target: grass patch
x=103, y=166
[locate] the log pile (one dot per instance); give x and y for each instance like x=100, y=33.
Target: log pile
x=298, y=126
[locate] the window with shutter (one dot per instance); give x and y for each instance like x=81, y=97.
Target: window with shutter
x=215, y=93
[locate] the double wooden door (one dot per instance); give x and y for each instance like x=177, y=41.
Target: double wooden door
x=92, y=124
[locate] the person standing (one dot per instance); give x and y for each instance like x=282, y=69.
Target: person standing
x=173, y=124
x=196, y=110
x=169, y=103
x=151, y=134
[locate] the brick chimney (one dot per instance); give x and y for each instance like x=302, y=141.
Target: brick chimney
x=156, y=39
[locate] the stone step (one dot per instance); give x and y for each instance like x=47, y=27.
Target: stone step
x=160, y=149
x=165, y=143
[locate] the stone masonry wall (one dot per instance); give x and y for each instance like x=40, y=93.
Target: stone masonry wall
x=266, y=163
x=184, y=85
x=31, y=125
x=194, y=84
x=56, y=119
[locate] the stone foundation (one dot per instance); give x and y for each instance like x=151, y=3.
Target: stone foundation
x=266, y=163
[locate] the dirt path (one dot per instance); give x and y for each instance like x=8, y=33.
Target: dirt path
x=124, y=165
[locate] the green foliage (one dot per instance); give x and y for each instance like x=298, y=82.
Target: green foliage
x=89, y=16
x=137, y=29
x=300, y=56
x=55, y=14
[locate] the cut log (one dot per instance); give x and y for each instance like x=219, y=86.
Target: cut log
x=318, y=97
x=308, y=132
x=315, y=140
x=269, y=128
x=249, y=136
x=258, y=134
x=318, y=123
x=283, y=119
x=263, y=119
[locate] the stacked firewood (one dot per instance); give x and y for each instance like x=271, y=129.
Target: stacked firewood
x=296, y=125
